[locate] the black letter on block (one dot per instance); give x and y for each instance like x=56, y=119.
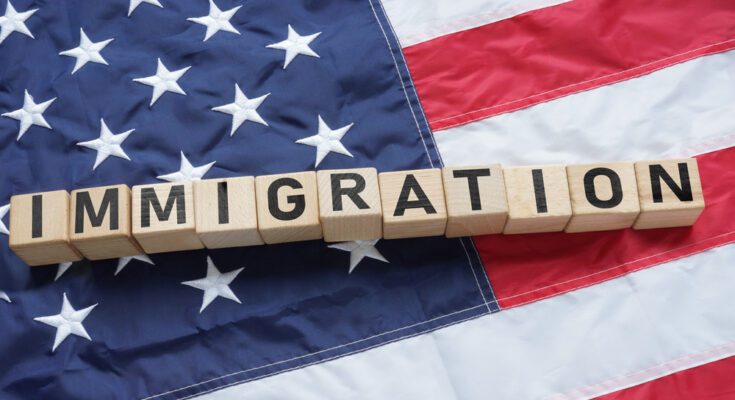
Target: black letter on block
x=37, y=216
x=223, y=208
x=539, y=190
x=84, y=205
x=148, y=198
x=299, y=201
x=589, y=187
x=353, y=193
x=658, y=173
x=472, y=175
x=411, y=184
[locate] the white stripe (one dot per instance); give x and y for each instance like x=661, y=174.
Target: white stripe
x=682, y=110
x=580, y=344
x=417, y=21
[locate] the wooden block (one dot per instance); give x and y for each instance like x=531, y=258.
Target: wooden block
x=476, y=201
x=226, y=215
x=39, y=228
x=413, y=203
x=349, y=204
x=100, y=223
x=288, y=207
x=538, y=199
x=604, y=196
x=163, y=217
x=670, y=193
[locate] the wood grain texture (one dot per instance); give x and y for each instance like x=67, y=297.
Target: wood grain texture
x=413, y=203
x=604, y=196
x=538, y=199
x=39, y=228
x=226, y=213
x=678, y=202
x=100, y=222
x=349, y=204
x=353, y=204
x=163, y=217
x=288, y=207
x=476, y=200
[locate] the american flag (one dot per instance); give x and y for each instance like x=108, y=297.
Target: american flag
x=96, y=93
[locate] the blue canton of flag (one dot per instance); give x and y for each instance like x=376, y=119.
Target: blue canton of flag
x=96, y=93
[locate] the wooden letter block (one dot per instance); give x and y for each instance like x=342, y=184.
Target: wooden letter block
x=538, y=199
x=349, y=204
x=413, y=203
x=288, y=207
x=163, y=217
x=39, y=228
x=226, y=215
x=670, y=193
x=604, y=196
x=100, y=224
x=476, y=201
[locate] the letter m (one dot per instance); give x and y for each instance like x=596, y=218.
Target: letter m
x=149, y=200
x=85, y=207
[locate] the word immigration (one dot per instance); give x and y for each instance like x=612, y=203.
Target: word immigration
x=352, y=204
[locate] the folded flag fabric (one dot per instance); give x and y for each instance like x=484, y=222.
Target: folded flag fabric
x=144, y=91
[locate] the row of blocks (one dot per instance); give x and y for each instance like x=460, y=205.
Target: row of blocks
x=355, y=204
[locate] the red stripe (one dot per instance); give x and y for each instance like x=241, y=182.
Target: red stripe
x=527, y=268
x=556, y=51
x=710, y=381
